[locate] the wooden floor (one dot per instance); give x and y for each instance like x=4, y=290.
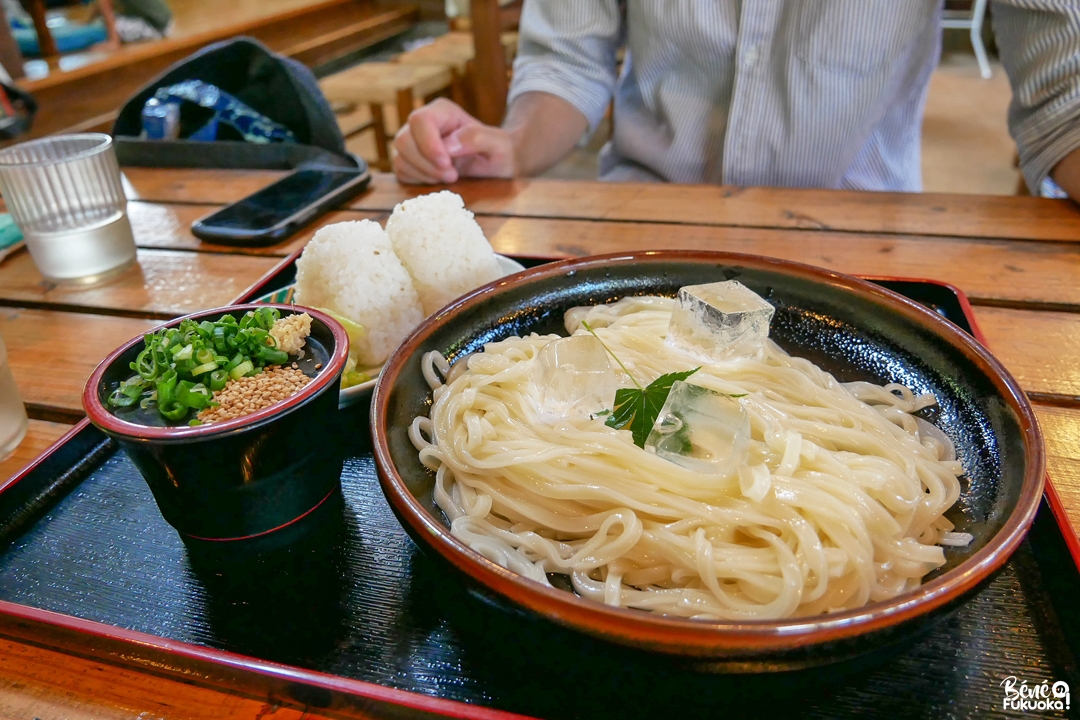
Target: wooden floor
x=966, y=142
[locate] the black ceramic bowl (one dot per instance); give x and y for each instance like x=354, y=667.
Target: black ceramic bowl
x=239, y=479
x=853, y=329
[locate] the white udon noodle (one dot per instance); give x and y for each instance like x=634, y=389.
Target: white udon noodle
x=841, y=502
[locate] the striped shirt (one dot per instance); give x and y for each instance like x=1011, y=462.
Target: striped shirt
x=800, y=93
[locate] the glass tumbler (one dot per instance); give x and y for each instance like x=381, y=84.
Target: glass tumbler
x=64, y=193
x=13, y=421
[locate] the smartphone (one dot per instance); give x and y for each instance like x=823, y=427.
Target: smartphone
x=279, y=210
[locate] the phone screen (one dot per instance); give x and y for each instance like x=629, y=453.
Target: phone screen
x=271, y=205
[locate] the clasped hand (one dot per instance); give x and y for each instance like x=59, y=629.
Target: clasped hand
x=440, y=143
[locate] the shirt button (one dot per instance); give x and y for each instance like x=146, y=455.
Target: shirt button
x=750, y=56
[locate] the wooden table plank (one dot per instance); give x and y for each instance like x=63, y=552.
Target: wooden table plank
x=52, y=353
x=1061, y=430
x=994, y=270
x=39, y=436
x=162, y=284
x=51, y=380
x=49, y=685
x=1023, y=218
x=1042, y=349
x=168, y=227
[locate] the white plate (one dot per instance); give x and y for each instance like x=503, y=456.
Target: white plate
x=362, y=392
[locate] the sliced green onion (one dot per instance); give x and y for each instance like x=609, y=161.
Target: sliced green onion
x=272, y=355
x=119, y=399
x=241, y=370
x=161, y=358
x=204, y=368
x=173, y=410
x=259, y=336
x=237, y=359
x=267, y=316
x=194, y=395
x=166, y=386
x=219, y=338
x=218, y=379
x=127, y=393
x=144, y=365
x=179, y=368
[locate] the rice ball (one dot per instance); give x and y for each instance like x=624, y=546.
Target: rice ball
x=442, y=247
x=351, y=268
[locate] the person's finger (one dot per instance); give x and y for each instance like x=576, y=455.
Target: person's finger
x=405, y=148
x=482, y=150
x=431, y=123
x=477, y=140
x=406, y=172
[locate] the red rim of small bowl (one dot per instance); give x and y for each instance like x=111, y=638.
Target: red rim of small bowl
x=706, y=638
x=100, y=416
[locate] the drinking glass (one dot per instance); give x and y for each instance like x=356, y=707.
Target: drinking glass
x=12, y=413
x=65, y=194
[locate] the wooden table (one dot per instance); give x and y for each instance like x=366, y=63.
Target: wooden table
x=1018, y=259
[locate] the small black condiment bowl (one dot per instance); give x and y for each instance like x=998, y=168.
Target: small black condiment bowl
x=244, y=482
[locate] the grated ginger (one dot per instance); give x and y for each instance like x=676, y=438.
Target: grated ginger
x=290, y=331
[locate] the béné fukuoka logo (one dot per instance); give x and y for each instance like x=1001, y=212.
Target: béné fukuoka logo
x=1042, y=696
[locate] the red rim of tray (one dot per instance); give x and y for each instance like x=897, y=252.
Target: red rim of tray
x=244, y=671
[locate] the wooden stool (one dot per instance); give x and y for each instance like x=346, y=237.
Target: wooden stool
x=454, y=57
x=456, y=51
x=464, y=42
x=375, y=83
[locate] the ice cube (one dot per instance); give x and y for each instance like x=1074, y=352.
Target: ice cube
x=719, y=321
x=701, y=430
x=574, y=377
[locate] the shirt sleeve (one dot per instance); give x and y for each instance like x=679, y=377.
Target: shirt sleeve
x=1039, y=44
x=567, y=48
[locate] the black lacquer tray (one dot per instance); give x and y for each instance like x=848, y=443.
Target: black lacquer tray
x=356, y=616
